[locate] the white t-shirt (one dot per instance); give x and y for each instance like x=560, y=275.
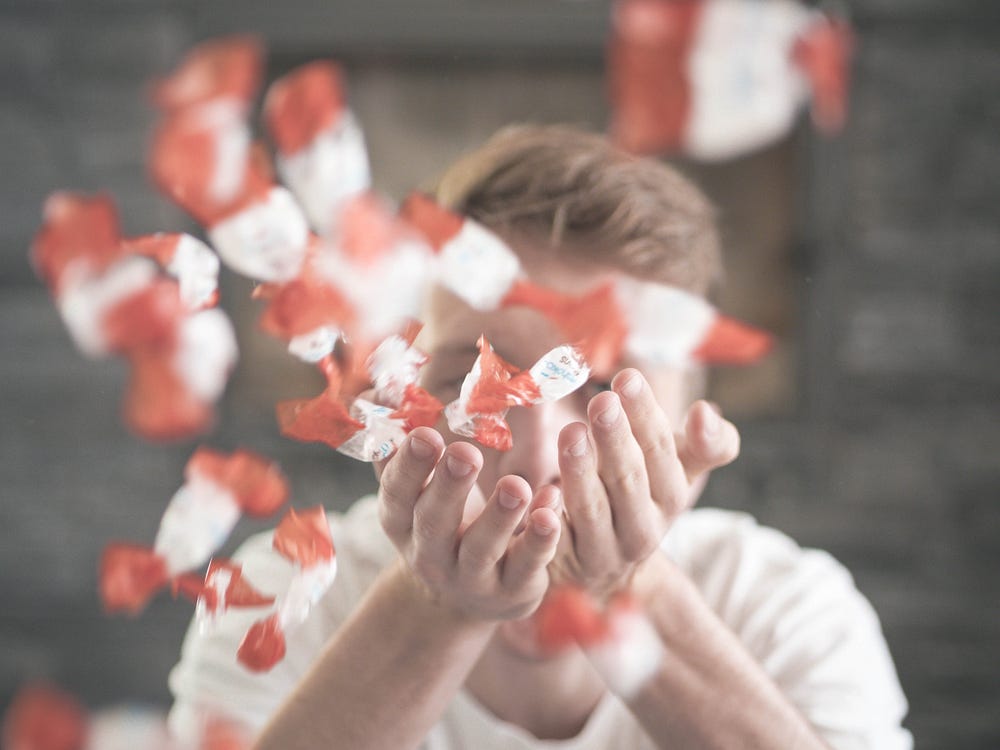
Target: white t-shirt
x=796, y=611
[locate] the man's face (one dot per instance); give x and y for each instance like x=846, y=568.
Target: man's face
x=521, y=336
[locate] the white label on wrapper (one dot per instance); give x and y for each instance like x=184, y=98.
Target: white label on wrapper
x=385, y=293
x=225, y=119
x=206, y=352
x=266, y=240
x=305, y=589
x=313, y=346
x=630, y=657
x=328, y=171
x=380, y=436
x=558, y=373
x=196, y=269
x=459, y=420
x=665, y=324
x=746, y=91
x=232, y=144
x=86, y=299
x=393, y=366
x=129, y=728
x=197, y=521
x=477, y=266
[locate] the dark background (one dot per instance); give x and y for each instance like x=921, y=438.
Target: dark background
x=877, y=432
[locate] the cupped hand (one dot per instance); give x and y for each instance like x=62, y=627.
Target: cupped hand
x=472, y=555
x=626, y=477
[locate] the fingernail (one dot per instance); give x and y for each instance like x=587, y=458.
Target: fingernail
x=578, y=448
x=543, y=529
x=509, y=501
x=421, y=448
x=457, y=467
x=711, y=423
x=610, y=415
x=631, y=387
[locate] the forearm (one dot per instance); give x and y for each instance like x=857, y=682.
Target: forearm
x=386, y=676
x=708, y=692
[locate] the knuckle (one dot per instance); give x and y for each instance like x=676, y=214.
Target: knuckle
x=429, y=571
x=657, y=443
x=473, y=559
x=639, y=546
x=629, y=480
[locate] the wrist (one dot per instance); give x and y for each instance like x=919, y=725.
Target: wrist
x=423, y=604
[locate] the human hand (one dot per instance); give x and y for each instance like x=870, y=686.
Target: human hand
x=471, y=555
x=627, y=477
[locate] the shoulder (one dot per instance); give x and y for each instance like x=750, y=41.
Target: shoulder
x=799, y=613
x=208, y=678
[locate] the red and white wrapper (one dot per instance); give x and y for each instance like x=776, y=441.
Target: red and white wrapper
x=201, y=150
x=493, y=386
x=303, y=538
x=719, y=78
x=379, y=264
x=224, y=587
x=185, y=258
x=619, y=640
x=472, y=262
x=79, y=238
x=115, y=299
x=228, y=69
x=43, y=717
x=667, y=325
x=266, y=240
x=321, y=149
x=197, y=521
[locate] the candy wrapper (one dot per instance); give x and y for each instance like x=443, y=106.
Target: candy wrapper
x=473, y=263
x=321, y=149
x=198, y=519
x=593, y=321
x=43, y=717
x=115, y=298
x=304, y=540
x=667, y=325
x=620, y=641
x=203, y=159
x=719, y=78
x=363, y=429
x=201, y=150
x=493, y=386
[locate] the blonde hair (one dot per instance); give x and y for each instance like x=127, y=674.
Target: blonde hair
x=575, y=190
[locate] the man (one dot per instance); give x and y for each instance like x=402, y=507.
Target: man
x=426, y=639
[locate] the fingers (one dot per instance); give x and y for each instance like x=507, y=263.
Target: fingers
x=622, y=469
x=403, y=479
x=654, y=435
x=437, y=512
x=585, y=499
x=709, y=441
x=485, y=540
x=531, y=551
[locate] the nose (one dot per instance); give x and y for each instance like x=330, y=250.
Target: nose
x=535, y=452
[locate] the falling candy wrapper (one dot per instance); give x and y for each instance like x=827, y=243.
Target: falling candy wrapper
x=619, y=639
x=321, y=150
x=198, y=520
x=493, y=386
x=147, y=299
x=43, y=717
x=304, y=540
x=719, y=78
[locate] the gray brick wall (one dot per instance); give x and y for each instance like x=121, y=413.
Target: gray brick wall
x=887, y=457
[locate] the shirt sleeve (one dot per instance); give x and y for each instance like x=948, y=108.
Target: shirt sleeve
x=208, y=681
x=800, y=615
